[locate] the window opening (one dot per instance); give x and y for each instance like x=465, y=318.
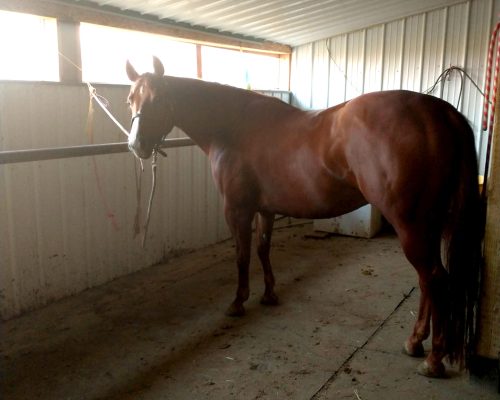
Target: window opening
x=28, y=47
x=105, y=50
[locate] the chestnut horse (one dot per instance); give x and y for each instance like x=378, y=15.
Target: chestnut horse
x=410, y=155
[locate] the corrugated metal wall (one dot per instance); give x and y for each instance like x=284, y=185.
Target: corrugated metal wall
x=409, y=53
x=56, y=235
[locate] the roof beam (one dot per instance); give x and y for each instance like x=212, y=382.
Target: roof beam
x=112, y=16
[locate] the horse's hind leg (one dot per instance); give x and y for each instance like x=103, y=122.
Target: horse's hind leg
x=240, y=223
x=264, y=231
x=413, y=345
x=423, y=251
x=434, y=282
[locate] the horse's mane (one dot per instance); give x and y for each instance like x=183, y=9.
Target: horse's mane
x=240, y=93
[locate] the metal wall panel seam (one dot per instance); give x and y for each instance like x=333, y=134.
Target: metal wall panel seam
x=466, y=40
x=444, y=35
x=403, y=47
x=31, y=272
x=328, y=71
x=13, y=262
x=372, y=43
x=363, y=76
x=346, y=60
x=311, y=87
x=422, y=52
x=347, y=55
x=40, y=264
x=42, y=281
x=461, y=12
x=64, y=226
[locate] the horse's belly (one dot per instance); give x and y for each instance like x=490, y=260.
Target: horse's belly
x=312, y=199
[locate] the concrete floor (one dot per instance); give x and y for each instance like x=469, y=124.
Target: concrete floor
x=346, y=307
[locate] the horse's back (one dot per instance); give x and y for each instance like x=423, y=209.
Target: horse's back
x=394, y=149
x=401, y=148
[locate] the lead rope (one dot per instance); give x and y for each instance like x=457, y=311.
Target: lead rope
x=154, y=166
x=90, y=134
x=138, y=186
x=487, y=125
x=97, y=98
x=138, y=175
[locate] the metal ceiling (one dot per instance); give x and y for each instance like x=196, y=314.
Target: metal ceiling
x=289, y=22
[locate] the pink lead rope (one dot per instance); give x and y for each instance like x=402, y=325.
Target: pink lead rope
x=487, y=89
x=489, y=105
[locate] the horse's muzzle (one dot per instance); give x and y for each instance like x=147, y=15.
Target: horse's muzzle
x=135, y=144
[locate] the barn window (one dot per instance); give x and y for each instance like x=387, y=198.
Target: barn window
x=105, y=49
x=241, y=69
x=28, y=47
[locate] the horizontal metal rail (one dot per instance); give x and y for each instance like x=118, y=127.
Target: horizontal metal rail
x=55, y=153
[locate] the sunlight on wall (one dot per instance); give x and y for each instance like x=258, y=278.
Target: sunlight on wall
x=28, y=47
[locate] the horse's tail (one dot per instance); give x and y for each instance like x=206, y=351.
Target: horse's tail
x=463, y=238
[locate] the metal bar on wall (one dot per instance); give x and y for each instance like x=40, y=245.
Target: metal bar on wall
x=17, y=156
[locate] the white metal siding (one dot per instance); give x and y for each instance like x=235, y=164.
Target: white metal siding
x=408, y=53
x=57, y=238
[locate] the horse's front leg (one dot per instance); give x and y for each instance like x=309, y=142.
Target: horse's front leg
x=240, y=223
x=265, y=223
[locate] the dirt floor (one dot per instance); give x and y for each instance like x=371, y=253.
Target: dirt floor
x=346, y=307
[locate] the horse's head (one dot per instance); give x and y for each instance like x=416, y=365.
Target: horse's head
x=152, y=117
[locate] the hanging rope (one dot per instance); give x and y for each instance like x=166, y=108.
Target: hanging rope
x=104, y=104
x=446, y=75
x=90, y=133
x=151, y=196
x=487, y=90
x=490, y=99
x=138, y=189
x=344, y=73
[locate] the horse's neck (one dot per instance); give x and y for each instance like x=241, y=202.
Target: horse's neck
x=206, y=111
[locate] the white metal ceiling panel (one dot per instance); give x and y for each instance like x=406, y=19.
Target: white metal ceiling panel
x=290, y=22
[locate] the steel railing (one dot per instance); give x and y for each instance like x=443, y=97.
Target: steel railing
x=55, y=153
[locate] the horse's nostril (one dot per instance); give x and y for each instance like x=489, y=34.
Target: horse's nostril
x=139, y=150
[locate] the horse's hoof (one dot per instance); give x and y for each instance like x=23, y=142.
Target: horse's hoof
x=269, y=300
x=437, y=371
x=235, y=310
x=416, y=350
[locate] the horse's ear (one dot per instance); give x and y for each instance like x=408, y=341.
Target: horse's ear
x=131, y=72
x=158, y=67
